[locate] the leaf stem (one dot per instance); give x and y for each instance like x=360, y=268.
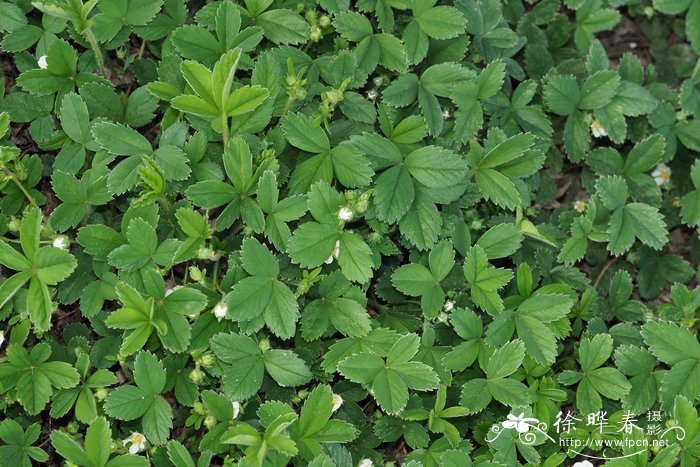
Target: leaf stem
x=215, y=278
x=17, y=182
x=224, y=124
x=602, y=272
x=96, y=50
x=287, y=106
x=165, y=204
x=142, y=49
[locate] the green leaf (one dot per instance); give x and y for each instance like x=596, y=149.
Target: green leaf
x=300, y=132
x=669, y=342
x=312, y=244
x=120, y=139
x=127, y=403
x=393, y=194
x=75, y=119
x=442, y=22
x=259, y=296
x=636, y=220
x=598, y=90
x=507, y=151
x=562, y=94
x=34, y=378
x=485, y=280
x=53, y=265
x=505, y=361
x=242, y=380
x=500, y=241
x=157, y=421
x=286, y=368
x=149, y=373
x=355, y=258
x=283, y=26
x=258, y=260
x=435, y=167
x=613, y=192
x=645, y=155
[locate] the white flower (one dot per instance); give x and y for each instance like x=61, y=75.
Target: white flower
x=520, y=423
x=372, y=94
x=169, y=291
x=583, y=464
x=337, y=402
x=449, y=306
x=43, y=64
x=236, y=409
x=597, y=129
x=138, y=442
x=61, y=242
x=336, y=252
x=445, y=113
x=221, y=310
x=579, y=206
x=661, y=174
x=366, y=463
x=2, y=337
x=345, y=214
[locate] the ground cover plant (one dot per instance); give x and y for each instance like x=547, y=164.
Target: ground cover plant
x=341, y=233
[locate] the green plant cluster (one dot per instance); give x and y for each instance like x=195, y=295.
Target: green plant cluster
x=339, y=233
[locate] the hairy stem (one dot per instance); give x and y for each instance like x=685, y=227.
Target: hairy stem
x=19, y=184
x=142, y=49
x=224, y=134
x=96, y=50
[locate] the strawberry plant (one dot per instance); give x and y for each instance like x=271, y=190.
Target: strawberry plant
x=349, y=233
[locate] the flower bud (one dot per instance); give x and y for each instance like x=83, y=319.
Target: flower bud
x=315, y=33
x=324, y=21
x=345, y=214
x=199, y=408
x=101, y=394
x=206, y=359
x=13, y=225
x=334, y=96
x=337, y=402
x=206, y=254
x=72, y=427
x=62, y=242
x=209, y=421
x=197, y=376
x=196, y=274
x=221, y=310
x=264, y=345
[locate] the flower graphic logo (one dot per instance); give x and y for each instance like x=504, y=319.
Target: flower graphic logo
x=519, y=423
